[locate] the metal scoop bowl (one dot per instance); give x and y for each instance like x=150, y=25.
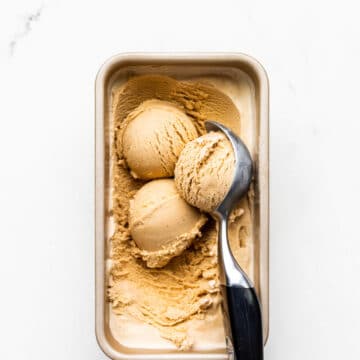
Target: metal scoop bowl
x=241, y=307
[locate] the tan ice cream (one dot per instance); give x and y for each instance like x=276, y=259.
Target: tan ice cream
x=204, y=171
x=162, y=224
x=153, y=136
x=179, y=302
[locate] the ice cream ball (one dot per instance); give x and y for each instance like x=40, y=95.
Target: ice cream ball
x=161, y=223
x=153, y=137
x=205, y=170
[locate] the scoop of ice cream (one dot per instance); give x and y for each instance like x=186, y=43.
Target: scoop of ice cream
x=153, y=137
x=204, y=171
x=162, y=224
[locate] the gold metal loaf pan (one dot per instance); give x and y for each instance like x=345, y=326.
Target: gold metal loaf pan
x=231, y=69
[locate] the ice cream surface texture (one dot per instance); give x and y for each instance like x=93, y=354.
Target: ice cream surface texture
x=162, y=224
x=179, y=302
x=204, y=172
x=153, y=137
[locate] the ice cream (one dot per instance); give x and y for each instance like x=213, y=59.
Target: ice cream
x=200, y=101
x=153, y=136
x=179, y=302
x=162, y=224
x=204, y=171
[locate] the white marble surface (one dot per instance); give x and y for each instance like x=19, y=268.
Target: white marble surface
x=50, y=53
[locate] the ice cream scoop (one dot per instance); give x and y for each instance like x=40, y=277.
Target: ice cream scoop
x=241, y=307
x=161, y=223
x=152, y=138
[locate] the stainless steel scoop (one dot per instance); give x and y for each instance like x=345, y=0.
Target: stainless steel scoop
x=241, y=307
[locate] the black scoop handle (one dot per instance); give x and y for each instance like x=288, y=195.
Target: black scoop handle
x=243, y=325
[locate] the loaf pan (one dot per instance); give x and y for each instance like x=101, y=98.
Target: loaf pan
x=119, y=69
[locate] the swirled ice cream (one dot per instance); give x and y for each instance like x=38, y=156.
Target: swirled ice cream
x=162, y=224
x=205, y=170
x=153, y=136
x=176, y=306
